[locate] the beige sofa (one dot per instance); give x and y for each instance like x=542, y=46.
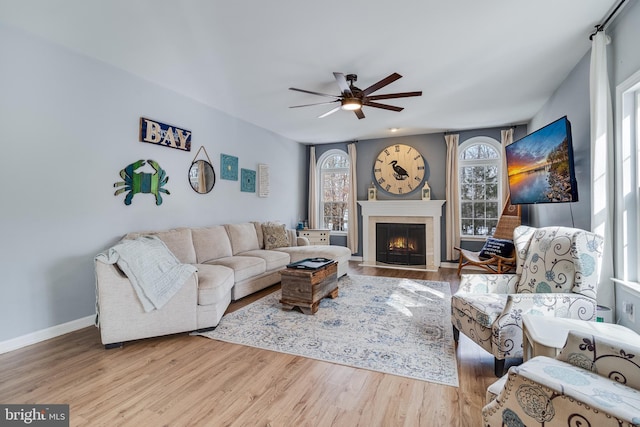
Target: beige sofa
x=233, y=261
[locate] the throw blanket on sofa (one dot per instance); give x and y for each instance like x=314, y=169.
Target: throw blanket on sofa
x=153, y=270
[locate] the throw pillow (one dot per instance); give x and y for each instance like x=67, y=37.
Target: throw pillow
x=493, y=246
x=275, y=236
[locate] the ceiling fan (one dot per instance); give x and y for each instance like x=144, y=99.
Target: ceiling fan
x=353, y=98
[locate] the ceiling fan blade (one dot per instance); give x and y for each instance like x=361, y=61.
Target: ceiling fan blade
x=382, y=83
x=329, y=112
x=384, y=106
x=394, y=95
x=317, y=103
x=359, y=113
x=342, y=82
x=314, y=93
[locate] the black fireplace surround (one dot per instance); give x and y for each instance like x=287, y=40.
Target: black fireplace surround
x=400, y=244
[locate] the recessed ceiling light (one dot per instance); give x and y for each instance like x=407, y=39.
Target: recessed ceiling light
x=394, y=129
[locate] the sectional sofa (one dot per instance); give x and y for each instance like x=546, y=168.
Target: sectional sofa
x=232, y=261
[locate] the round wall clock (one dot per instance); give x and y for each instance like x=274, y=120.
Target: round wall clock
x=399, y=169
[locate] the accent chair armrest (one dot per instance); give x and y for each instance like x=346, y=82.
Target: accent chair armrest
x=488, y=283
x=569, y=305
x=549, y=392
x=607, y=357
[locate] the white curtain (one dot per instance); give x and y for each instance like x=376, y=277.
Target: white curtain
x=313, y=190
x=352, y=204
x=602, y=202
x=506, y=137
x=452, y=207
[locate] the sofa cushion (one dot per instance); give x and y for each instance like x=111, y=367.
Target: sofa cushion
x=211, y=243
x=214, y=282
x=275, y=260
x=243, y=237
x=179, y=242
x=243, y=267
x=293, y=237
x=258, y=226
x=275, y=236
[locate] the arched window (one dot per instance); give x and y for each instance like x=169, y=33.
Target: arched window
x=333, y=180
x=479, y=167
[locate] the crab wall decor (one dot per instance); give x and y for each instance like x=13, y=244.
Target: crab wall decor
x=142, y=182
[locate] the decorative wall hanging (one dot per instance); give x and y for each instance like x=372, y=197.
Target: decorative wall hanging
x=248, y=183
x=202, y=177
x=159, y=133
x=263, y=180
x=399, y=169
x=228, y=167
x=142, y=182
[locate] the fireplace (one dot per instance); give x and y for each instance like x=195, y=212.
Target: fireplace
x=400, y=244
x=412, y=212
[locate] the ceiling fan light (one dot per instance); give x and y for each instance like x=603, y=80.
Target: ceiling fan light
x=351, y=104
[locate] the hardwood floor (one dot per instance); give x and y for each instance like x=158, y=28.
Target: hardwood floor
x=183, y=380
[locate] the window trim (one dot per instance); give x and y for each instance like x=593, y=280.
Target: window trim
x=323, y=157
x=476, y=140
x=626, y=169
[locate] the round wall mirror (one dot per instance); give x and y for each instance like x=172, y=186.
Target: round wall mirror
x=201, y=176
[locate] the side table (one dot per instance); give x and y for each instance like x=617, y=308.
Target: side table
x=545, y=336
x=316, y=237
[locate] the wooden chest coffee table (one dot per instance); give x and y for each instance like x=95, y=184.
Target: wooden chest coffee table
x=303, y=286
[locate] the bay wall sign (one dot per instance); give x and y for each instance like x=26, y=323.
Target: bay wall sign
x=160, y=133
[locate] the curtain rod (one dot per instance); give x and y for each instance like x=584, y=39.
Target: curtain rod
x=600, y=27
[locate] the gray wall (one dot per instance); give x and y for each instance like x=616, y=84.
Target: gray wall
x=69, y=125
x=570, y=99
x=623, y=53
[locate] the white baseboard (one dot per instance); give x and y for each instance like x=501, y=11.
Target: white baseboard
x=446, y=264
x=45, y=334
x=356, y=258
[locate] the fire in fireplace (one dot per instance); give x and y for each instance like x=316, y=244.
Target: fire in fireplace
x=402, y=244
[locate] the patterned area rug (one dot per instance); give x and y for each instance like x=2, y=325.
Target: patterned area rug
x=396, y=326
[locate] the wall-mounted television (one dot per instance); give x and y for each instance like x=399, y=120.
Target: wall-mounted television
x=541, y=166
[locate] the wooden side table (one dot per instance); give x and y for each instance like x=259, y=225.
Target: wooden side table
x=545, y=336
x=305, y=288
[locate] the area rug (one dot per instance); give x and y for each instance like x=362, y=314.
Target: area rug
x=391, y=325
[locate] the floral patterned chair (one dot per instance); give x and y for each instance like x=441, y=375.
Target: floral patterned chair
x=557, y=271
x=594, y=381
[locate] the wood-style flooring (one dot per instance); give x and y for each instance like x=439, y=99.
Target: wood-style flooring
x=184, y=380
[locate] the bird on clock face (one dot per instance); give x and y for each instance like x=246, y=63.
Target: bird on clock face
x=400, y=173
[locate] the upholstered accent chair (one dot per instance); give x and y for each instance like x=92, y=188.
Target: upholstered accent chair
x=594, y=381
x=557, y=271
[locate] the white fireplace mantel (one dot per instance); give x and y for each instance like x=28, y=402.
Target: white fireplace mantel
x=426, y=212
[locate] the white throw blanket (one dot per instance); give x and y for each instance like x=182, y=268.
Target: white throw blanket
x=153, y=270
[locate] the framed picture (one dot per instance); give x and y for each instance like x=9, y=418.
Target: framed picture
x=228, y=167
x=247, y=180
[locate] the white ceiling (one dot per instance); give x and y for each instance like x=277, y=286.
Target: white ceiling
x=479, y=63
